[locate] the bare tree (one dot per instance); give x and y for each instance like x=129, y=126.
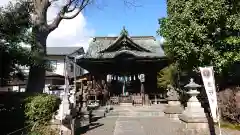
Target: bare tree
x=41, y=29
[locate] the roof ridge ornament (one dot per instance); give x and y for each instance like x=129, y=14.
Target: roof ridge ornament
x=124, y=32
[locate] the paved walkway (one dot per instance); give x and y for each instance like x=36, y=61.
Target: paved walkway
x=140, y=121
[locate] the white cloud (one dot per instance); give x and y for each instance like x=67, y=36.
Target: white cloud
x=162, y=40
x=112, y=35
x=74, y=32
x=4, y=2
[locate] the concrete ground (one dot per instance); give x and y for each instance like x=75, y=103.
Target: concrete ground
x=147, y=120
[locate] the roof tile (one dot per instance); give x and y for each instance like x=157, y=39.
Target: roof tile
x=101, y=43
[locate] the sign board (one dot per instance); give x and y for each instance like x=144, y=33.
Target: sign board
x=207, y=74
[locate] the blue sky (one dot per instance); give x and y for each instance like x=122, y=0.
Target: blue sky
x=108, y=20
x=113, y=15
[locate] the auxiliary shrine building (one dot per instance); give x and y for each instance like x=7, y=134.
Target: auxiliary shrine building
x=124, y=66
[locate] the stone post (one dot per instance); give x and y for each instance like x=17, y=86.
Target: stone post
x=174, y=108
x=194, y=116
x=141, y=77
x=63, y=115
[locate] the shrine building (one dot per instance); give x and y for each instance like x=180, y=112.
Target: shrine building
x=127, y=64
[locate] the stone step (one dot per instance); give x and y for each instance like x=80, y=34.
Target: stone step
x=137, y=114
x=125, y=104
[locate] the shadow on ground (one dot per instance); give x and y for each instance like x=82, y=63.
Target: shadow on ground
x=211, y=125
x=85, y=128
x=96, y=118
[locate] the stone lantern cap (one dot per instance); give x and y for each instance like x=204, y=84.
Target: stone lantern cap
x=192, y=84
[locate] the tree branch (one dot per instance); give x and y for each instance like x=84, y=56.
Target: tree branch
x=71, y=10
x=67, y=9
x=84, y=3
x=72, y=16
x=130, y=3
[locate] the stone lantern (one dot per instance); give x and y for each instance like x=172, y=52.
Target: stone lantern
x=194, y=116
x=174, y=108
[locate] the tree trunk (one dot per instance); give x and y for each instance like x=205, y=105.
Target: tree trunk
x=36, y=78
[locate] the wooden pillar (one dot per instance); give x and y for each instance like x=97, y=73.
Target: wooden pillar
x=94, y=82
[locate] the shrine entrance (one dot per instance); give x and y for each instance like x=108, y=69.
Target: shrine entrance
x=128, y=65
x=129, y=86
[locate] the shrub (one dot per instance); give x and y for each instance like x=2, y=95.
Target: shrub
x=167, y=76
x=12, y=111
x=18, y=109
x=228, y=103
x=44, y=130
x=39, y=109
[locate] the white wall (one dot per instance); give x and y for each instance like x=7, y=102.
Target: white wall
x=13, y=88
x=60, y=66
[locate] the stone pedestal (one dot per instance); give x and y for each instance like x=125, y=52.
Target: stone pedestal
x=173, y=110
x=193, y=116
x=62, y=127
x=65, y=130
x=64, y=109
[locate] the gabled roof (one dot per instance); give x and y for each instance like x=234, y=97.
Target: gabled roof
x=63, y=50
x=144, y=46
x=124, y=41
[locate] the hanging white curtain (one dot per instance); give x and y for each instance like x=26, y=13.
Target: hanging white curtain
x=108, y=78
x=126, y=78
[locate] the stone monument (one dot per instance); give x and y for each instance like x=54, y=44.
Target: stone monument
x=194, y=116
x=84, y=99
x=174, y=108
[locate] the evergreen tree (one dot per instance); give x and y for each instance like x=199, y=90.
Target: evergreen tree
x=14, y=31
x=202, y=33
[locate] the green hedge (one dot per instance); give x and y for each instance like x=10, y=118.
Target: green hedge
x=19, y=110
x=40, y=108
x=12, y=111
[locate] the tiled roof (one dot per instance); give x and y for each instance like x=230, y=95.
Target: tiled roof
x=49, y=74
x=63, y=50
x=99, y=44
